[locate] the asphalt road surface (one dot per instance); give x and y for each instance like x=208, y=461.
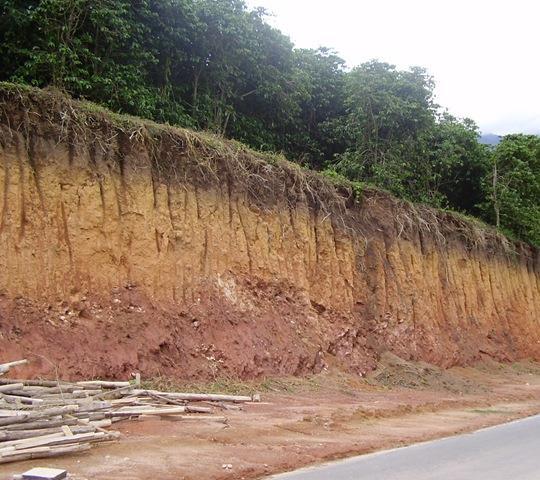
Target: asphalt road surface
x=506, y=452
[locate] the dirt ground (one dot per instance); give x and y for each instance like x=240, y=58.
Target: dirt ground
x=310, y=420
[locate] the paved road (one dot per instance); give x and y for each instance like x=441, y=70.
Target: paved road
x=506, y=452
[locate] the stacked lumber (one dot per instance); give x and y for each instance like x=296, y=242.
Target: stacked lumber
x=46, y=418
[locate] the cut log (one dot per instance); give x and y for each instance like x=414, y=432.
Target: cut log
x=135, y=411
x=127, y=401
x=101, y=423
x=69, y=400
x=52, y=440
x=11, y=435
x=90, y=416
x=14, y=419
x=164, y=398
x=194, y=409
x=86, y=392
x=196, y=397
x=116, y=391
x=35, y=441
x=18, y=399
x=20, y=416
x=103, y=384
x=31, y=383
x=41, y=424
x=225, y=406
x=13, y=453
x=210, y=418
x=44, y=452
x=11, y=387
x=94, y=406
x=4, y=367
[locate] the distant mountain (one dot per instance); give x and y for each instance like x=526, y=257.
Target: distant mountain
x=489, y=139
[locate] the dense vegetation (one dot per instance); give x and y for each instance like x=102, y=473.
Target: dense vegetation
x=216, y=65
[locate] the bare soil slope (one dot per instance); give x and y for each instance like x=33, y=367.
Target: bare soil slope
x=128, y=245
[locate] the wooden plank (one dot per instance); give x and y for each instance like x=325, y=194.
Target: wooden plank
x=55, y=439
x=36, y=440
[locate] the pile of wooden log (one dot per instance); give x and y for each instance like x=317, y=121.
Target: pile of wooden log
x=45, y=418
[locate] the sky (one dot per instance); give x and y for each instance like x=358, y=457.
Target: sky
x=484, y=54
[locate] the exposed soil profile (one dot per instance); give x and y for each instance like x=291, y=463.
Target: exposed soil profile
x=132, y=246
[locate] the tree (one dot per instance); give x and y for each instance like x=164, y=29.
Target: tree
x=388, y=110
x=93, y=49
x=320, y=76
x=397, y=139
x=451, y=168
x=514, y=187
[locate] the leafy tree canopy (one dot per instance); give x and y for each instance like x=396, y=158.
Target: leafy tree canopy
x=513, y=202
